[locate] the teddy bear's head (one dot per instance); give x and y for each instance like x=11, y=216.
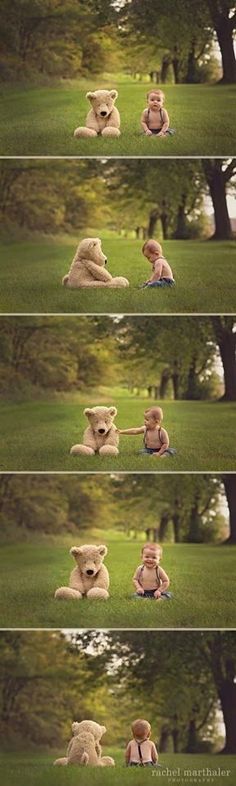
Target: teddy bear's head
x=89, y=558
x=102, y=101
x=91, y=248
x=89, y=726
x=101, y=418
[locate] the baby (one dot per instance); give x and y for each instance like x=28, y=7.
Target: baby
x=156, y=440
x=162, y=275
x=154, y=119
x=141, y=751
x=150, y=580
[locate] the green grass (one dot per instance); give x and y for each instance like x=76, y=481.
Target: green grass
x=32, y=273
x=38, y=436
x=37, y=770
x=202, y=578
x=41, y=121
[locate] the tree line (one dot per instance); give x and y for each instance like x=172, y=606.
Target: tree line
x=135, y=196
x=170, y=356
x=188, y=510
x=71, y=38
x=178, y=679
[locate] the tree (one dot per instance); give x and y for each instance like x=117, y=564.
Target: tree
x=218, y=174
x=223, y=17
x=225, y=335
x=229, y=482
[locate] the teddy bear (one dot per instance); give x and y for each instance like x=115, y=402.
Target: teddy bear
x=103, y=117
x=101, y=436
x=84, y=747
x=88, y=267
x=90, y=578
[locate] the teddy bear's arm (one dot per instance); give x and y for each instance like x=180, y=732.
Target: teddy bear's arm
x=91, y=121
x=97, y=271
x=114, y=119
x=76, y=581
x=102, y=578
x=88, y=438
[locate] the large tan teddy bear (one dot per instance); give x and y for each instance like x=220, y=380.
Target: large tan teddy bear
x=103, y=117
x=101, y=436
x=88, y=267
x=84, y=747
x=90, y=578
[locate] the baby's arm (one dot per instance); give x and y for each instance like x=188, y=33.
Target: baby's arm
x=157, y=271
x=165, y=443
x=154, y=753
x=144, y=123
x=131, y=431
x=127, y=753
x=165, y=124
x=165, y=581
x=136, y=583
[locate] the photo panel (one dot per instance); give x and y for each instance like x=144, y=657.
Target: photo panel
x=117, y=550
x=115, y=698
x=118, y=236
x=125, y=78
x=128, y=394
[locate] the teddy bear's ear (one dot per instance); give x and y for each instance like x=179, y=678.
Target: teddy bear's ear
x=88, y=412
x=102, y=550
x=103, y=729
x=90, y=96
x=75, y=550
x=112, y=411
x=75, y=727
x=114, y=94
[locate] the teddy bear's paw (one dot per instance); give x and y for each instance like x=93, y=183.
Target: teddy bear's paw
x=67, y=593
x=108, y=450
x=60, y=762
x=81, y=450
x=107, y=761
x=83, y=132
x=110, y=131
x=120, y=281
x=97, y=593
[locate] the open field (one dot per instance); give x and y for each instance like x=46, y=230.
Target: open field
x=32, y=273
x=202, y=579
x=40, y=121
x=17, y=769
x=38, y=435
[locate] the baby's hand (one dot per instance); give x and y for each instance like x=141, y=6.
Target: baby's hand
x=157, y=594
x=148, y=132
x=140, y=591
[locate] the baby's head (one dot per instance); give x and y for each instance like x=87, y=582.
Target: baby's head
x=155, y=99
x=141, y=730
x=152, y=250
x=151, y=554
x=153, y=417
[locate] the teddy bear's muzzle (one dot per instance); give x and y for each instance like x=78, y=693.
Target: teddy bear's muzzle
x=90, y=572
x=101, y=430
x=103, y=113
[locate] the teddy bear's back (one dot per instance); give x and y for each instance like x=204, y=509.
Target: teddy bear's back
x=83, y=743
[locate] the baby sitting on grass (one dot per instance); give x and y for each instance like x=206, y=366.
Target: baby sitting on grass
x=150, y=580
x=155, y=437
x=141, y=751
x=162, y=275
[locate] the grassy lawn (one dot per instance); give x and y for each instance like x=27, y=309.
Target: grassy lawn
x=41, y=121
x=202, y=578
x=18, y=769
x=38, y=436
x=32, y=273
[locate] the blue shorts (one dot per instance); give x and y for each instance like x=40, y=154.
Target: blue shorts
x=167, y=452
x=150, y=594
x=163, y=282
x=145, y=764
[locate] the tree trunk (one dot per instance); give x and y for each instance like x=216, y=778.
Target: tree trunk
x=176, y=65
x=164, y=739
x=227, y=352
x=191, y=73
x=176, y=526
x=191, y=393
x=217, y=186
x=166, y=61
x=163, y=526
x=228, y=704
x=153, y=217
x=175, y=382
x=229, y=482
x=181, y=231
x=165, y=376
x=194, y=535
x=192, y=742
x=164, y=219
x=224, y=33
